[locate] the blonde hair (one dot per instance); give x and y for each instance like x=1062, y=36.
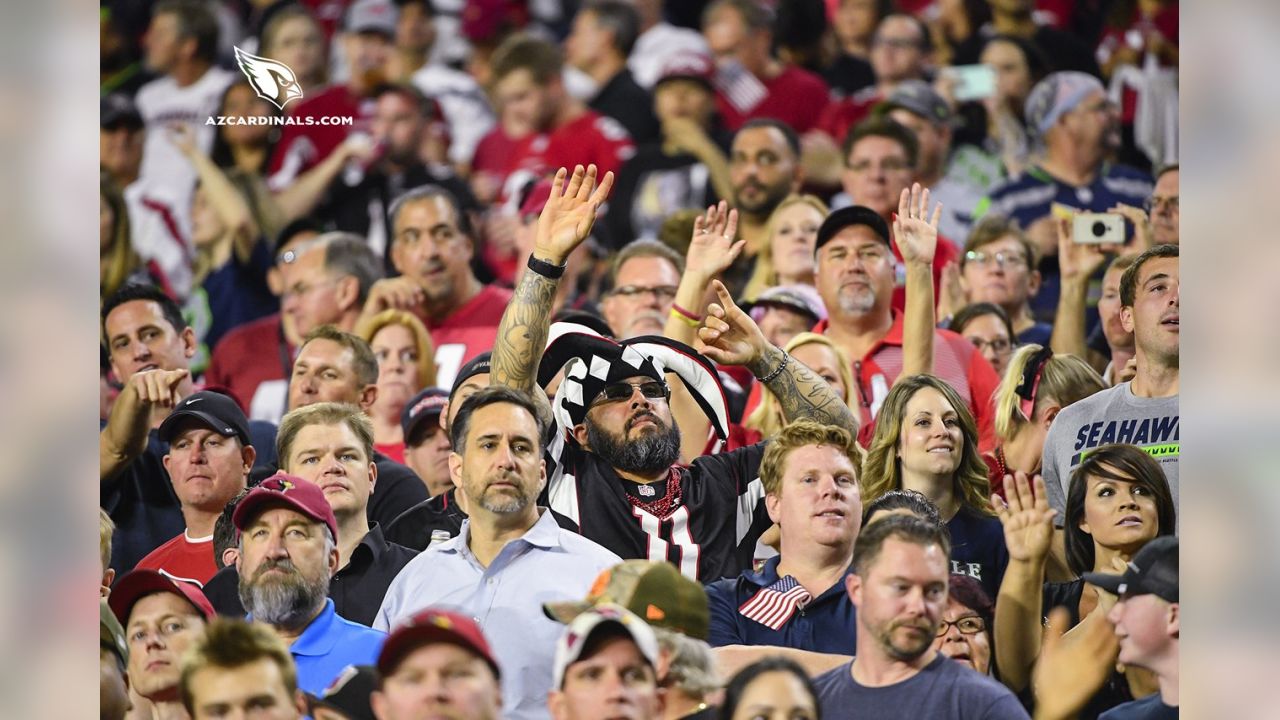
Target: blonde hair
x=767, y=417
x=230, y=643
x=120, y=259
x=322, y=413
x=106, y=528
x=765, y=276
x=1065, y=379
x=803, y=433
x=882, y=470
x=369, y=327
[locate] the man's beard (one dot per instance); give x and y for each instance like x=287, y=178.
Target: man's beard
x=650, y=453
x=906, y=653
x=504, y=504
x=652, y=315
x=856, y=301
x=772, y=198
x=287, y=601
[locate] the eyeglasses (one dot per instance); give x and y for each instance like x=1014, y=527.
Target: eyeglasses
x=1158, y=202
x=1002, y=258
x=652, y=390
x=661, y=293
x=999, y=346
x=968, y=625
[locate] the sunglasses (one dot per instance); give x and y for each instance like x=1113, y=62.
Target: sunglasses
x=653, y=390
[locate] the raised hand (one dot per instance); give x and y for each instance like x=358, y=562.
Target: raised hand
x=713, y=249
x=569, y=213
x=1076, y=261
x=729, y=335
x=916, y=234
x=158, y=387
x=1071, y=667
x=1027, y=520
x=1141, y=226
x=183, y=138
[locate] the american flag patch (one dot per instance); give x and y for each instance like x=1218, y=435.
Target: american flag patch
x=773, y=606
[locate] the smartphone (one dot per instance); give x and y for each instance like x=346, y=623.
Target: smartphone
x=973, y=82
x=1098, y=229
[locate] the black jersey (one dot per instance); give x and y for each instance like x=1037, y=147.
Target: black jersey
x=704, y=518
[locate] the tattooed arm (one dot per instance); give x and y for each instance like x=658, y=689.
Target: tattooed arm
x=730, y=337
x=565, y=222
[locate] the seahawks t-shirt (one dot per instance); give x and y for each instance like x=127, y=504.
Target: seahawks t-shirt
x=1112, y=416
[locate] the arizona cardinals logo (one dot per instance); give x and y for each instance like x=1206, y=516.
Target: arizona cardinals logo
x=273, y=81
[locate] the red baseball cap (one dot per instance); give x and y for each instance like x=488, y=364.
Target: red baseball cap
x=138, y=584
x=292, y=491
x=434, y=625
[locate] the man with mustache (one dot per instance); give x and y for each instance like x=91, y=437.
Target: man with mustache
x=613, y=462
x=162, y=617
x=899, y=587
x=511, y=555
x=764, y=168
x=288, y=552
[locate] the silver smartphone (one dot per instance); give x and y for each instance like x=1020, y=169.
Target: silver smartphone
x=1098, y=229
x=973, y=82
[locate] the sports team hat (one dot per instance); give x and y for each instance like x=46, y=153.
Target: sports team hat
x=111, y=634
x=290, y=490
x=219, y=412
x=116, y=111
x=1152, y=571
x=378, y=16
x=434, y=625
x=654, y=591
x=800, y=298
x=1056, y=95
x=919, y=97
x=425, y=406
x=475, y=366
x=349, y=693
x=848, y=217
x=577, y=636
x=139, y=583
x=688, y=66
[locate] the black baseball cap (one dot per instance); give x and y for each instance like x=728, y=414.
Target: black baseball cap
x=1153, y=571
x=426, y=405
x=117, y=110
x=848, y=217
x=219, y=412
x=477, y=365
x=349, y=693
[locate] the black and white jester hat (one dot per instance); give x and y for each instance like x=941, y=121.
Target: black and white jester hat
x=592, y=361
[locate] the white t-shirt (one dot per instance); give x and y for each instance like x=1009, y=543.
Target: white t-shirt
x=160, y=228
x=464, y=104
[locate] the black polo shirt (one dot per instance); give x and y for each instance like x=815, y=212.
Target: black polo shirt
x=438, y=518
x=356, y=590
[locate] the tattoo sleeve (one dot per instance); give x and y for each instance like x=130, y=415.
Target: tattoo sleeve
x=522, y=334
x=802, y=393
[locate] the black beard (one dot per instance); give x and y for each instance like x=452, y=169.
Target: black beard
x=649, y=454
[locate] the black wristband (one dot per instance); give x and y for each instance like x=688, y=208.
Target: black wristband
x=545, y=269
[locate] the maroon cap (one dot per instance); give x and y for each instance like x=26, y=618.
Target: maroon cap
x=138, y=584
x=537, y=199
x=434, y=625
x=688, y=66
x=284, y=489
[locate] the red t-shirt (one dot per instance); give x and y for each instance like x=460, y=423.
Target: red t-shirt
x=955, y=360
x=796, y=97
x=183, y=559
x=844, y=113
x=301, y=147
x=590, y=138
x=253, y=362
x=468, y=331
x=395, y=451
x=945, y=253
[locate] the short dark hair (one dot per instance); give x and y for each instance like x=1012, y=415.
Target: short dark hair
x=224, y=531
x=526, y=52
x=913, y=501
x=885, y=127
x=297, y=227
x=195, y=20
x=493, y=395
x=619, y=18
x=427, y=192
x=1127, y=463
x=1129, y=281
x=365, y=362
x=138, y=291
x=788, y=132
x=926, y=38
x=737, y=687
x=910, y=528
x=425, y=105
x=973, y=311
x=755, y=15
x=348, y=254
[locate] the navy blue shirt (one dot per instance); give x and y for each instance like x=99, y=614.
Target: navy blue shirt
x=1038, y=334
x=230, y=296
x=825, y=625
x=978, y=549
x=1148, y=708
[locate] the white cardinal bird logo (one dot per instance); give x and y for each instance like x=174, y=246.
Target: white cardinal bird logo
x=273, y=81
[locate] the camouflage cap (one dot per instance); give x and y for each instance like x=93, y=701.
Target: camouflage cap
x=655, y=591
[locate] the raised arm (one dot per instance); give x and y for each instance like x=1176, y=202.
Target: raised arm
x=227, y=202
x=731, y=337
x=917, y=241
x=125, y=436
x=565, y=222
x=1077, y=263
x=304, y=193
x=1028, y=530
